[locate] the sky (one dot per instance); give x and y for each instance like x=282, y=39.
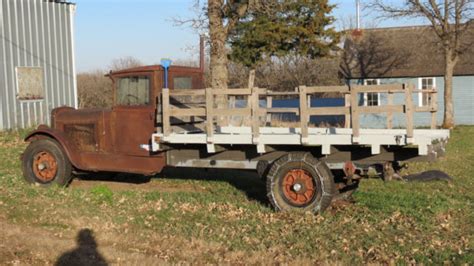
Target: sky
x=144, y=29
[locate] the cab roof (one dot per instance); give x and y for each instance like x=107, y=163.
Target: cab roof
x=157, y=68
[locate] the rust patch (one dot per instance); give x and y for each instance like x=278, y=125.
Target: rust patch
x=82, y=136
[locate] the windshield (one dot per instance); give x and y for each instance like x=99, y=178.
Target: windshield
x=133, y=91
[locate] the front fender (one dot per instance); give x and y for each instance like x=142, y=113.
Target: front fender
x=47, y=132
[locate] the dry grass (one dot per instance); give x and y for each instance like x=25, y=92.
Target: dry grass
x=222, y=217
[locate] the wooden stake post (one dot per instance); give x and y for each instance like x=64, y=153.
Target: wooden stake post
x=304, y=116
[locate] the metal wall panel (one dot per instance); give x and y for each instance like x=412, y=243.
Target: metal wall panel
x=36, y=33
x=2, y=72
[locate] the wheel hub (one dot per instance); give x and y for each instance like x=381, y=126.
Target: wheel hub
x=45, y=166
x=298, y=187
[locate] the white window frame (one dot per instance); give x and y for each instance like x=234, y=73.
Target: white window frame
x=366, y=97
x=420, y=87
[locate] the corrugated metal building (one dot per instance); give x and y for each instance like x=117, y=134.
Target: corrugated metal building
x=37, y=71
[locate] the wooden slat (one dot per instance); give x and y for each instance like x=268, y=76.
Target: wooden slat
x=187, y=92
x=381, y=109
x=347, y=103
x=355, y=115
x=409, y=109
x=434, y=107
x=329, y=111
x=282, y=93
x=322, y=89
x=235, y=111
x=232, y=92
x=166, y=112
x=232, y=101
x=236, y=92
x=283, y=110
x=268, y=115
x=178, y=112
x=209, y=114
x=423, y=109
x=393, y=88
x=389, y=113
x=304, y=116
x=425, y=91
x=254, y=101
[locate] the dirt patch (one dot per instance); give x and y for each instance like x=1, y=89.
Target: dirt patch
x=26, y=245
x=29, y=245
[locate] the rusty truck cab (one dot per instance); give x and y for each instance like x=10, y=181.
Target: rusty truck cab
x=108, y=139
x=136, y=101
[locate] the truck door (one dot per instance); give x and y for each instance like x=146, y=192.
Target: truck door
x=133, y=114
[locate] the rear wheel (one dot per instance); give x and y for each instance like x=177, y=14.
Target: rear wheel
x=45, y=163
x=298, y=181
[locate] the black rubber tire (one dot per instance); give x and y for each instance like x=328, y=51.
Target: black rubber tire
x=322, y=177
x=64, y=171
x=262, y=170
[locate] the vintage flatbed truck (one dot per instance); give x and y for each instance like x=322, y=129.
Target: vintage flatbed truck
x=154, y=124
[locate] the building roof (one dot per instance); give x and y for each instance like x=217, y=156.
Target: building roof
x=401, y=52
x=158, y=68
x=60, y=2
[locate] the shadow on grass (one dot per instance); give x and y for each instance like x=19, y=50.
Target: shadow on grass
x=245, y=181
x=115, y=177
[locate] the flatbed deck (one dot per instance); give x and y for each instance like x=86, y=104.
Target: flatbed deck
x=317, y=137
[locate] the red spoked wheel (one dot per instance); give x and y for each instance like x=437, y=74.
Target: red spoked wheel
x=45, y=166
x=45, y=163
x=299, y=187
x=299, y=182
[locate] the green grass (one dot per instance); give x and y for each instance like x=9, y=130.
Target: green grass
x=430, y=223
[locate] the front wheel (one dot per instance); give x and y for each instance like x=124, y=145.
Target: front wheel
x=45, y=163
x=300, y=182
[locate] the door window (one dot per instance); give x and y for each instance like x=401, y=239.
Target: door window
x=133, y=91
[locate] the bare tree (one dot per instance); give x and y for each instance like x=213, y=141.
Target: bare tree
x=124, y=63
x=450, y=20
x=95, y=89
x=219, y=18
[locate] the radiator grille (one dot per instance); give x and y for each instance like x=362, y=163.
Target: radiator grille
x=82, y=136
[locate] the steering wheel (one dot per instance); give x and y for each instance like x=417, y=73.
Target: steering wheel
x=134, y=97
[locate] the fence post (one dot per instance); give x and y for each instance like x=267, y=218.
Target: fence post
x=390, y=114
x=409, y=111
x=165, y=94
x=355, y=115
x=304, y=117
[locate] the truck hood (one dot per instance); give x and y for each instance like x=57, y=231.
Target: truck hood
x=67, y=115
